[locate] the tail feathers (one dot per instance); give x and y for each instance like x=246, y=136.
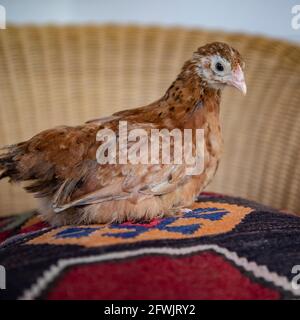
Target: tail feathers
x=9, y=161
x=39, y=173
x=43, y=188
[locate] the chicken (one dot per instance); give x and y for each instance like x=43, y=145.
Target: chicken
x=62, y=167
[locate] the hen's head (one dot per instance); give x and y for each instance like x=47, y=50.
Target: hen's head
x=218, y=65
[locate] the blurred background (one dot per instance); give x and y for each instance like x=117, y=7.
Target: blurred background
x=268, y=17
x=63, y=62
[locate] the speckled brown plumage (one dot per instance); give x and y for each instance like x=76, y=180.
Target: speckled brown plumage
x=74, y=188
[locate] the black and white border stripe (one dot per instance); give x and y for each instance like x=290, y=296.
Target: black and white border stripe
x=54, y=271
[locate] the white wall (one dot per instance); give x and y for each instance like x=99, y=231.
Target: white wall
x=269, y=17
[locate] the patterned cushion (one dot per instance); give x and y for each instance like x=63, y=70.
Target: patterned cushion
x=225, y=248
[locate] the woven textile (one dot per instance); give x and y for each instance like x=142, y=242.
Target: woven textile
x=65, y=75
x=225, y=248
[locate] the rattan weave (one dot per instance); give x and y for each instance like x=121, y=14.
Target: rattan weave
x=66, y=75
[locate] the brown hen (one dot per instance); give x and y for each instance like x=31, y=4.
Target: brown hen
x=64, y=171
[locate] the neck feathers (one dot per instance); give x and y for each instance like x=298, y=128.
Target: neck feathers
x=189, y=91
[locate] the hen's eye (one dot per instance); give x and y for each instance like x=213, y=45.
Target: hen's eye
x=219, y=67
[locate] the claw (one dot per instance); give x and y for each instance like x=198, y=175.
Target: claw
x=185, y=210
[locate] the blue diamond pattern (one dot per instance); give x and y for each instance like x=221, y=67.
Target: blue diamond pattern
x=212, y=214
x=75, y=232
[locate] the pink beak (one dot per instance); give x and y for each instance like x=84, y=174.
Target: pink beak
x=238, y=80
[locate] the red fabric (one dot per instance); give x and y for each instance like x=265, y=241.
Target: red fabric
x=35, y=227
x=5, y=235
x=203, y=276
